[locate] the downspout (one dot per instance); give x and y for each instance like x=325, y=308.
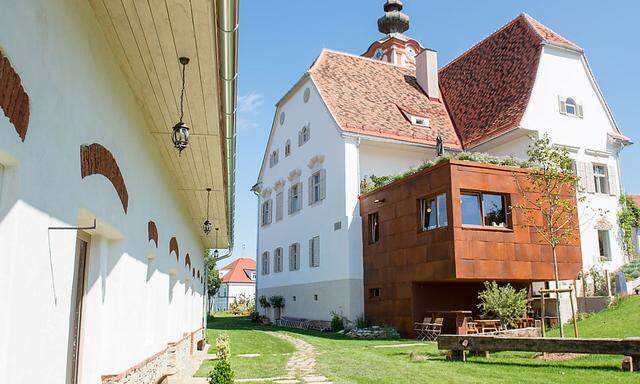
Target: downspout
x=254, y=189
x=227, y=34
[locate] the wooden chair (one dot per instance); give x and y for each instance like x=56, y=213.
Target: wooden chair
x=421, y=328
x=471, y=326
x=434, y=329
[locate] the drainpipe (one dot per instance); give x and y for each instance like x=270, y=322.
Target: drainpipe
x=254, y=189
x=227, y=35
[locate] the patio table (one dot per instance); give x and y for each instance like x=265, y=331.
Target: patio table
x=487, y=324
x=461, y=319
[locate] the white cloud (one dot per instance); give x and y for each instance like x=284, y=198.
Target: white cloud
x=250, y=103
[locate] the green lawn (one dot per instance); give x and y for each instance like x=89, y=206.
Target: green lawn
x=345, y=360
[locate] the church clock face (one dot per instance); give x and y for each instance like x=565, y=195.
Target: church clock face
x=378, y=54
x=411, y=53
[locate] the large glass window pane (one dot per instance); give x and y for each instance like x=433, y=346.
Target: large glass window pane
x=495, y=213
x=470, y=207
x=442, y=210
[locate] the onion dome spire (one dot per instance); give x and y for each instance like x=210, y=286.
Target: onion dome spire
x=393, y=21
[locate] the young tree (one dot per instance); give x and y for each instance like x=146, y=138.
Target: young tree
x=548, y=191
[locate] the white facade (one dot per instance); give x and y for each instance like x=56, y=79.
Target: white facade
x=230, y=292
x=137, y=297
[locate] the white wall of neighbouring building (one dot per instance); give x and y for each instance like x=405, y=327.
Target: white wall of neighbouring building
x=133, y=305
x=230, y=292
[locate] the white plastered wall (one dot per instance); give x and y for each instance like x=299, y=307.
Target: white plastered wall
x=78, y=95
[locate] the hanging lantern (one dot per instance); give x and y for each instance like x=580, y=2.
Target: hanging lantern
x=207, y=226
x=180, y=135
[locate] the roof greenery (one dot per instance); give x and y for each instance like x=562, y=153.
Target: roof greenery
x=373, y=182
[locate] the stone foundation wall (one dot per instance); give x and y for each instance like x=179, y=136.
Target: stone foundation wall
x=520, y=332
x=166, y=362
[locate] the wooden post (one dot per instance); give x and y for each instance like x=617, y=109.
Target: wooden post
x=573, y=313
x=542, y=314
x=607, y=279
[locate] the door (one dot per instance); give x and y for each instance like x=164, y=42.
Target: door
x=75, y=332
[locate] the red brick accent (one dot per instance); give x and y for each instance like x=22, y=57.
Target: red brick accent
x=173, y=247
x=96, y=159
x=153, y=232
x=187, y=261
x=14, y=101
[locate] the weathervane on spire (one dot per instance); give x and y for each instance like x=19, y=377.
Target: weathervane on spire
x=393, y=21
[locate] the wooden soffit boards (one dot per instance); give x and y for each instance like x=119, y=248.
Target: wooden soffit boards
x=147, y=38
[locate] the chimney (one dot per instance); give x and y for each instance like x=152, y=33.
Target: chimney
x=427, y=72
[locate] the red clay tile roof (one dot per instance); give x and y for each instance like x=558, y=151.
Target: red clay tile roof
x=486, y=89
x=239, y=271
x=366, y=96
x=636, y=199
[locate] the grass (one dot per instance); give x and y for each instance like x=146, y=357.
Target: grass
x=345, y=360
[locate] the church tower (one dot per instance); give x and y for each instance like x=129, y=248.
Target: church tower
x=396, y=47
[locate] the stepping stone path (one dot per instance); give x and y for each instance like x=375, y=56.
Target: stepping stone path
x=302, y=363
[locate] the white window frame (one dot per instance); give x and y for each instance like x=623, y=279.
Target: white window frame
x=273, y=159
x=266, y=213
x=277, y=260
x=294, y=257
x=601, y=179
x=304, y=135
x=287, y=148
x=565, y=103
x=314, y=252
x=265, y=263
x=317, y=186
x=295, y=200
x=604, y=251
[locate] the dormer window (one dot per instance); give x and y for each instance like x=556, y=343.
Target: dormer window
x=287, y=148
x=570, y=107
x=421, y=121
x=273, y=158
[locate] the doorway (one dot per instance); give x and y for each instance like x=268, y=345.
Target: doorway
x=77, y=298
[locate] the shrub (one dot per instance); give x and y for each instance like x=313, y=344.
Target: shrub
x=255, y=317
x=264, y=302
x=242, y=305
x=504, y=303
x=277, y=301
x=222, y=373
x=337, y=322
x=632, y=269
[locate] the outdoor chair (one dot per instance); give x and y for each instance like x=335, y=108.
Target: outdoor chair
x=421, y=328
x=434, y=329
x=471, y=326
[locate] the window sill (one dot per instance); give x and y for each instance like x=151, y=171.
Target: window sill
x=486, y=228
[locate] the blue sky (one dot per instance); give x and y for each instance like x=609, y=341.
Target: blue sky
x=280, y=39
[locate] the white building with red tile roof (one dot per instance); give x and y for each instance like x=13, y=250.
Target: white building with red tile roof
x=349, y=117
x=238, y=279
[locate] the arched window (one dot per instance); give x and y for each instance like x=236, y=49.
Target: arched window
x=273, y=159
x=571, y=106
x=265, y=263
x=304, y=135
x=287, y=148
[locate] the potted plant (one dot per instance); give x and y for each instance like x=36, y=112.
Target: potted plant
x=277, y=302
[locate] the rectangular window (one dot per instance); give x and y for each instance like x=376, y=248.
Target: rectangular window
x=279, y=205
x=273, y=159
x=314, y=252
x=294, y=257
x=295, y=198
x=488, y=209
x=604, y=245
x=374, y=228
x=601, y=178
x=266, y=212
x=317, y=186
x=277, y=260
x=374, y=292
x=433, y=211
x=265, y=263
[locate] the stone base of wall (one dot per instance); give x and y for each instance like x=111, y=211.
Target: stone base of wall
x=166, y=362
x=520, y=332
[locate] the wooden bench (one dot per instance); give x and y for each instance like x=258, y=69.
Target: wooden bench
x=458, y=345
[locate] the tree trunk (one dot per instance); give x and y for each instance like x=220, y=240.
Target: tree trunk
x=555, y=271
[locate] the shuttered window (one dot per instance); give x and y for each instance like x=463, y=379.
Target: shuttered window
x=279, y=205
x=314, y=252
x=295, y=198
x=277, y=260
x=304, y=135
x=266, y=212
x=317, y=186
x=570, y=107
x=294, y=257
x=601, y=178
x=265, y=263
